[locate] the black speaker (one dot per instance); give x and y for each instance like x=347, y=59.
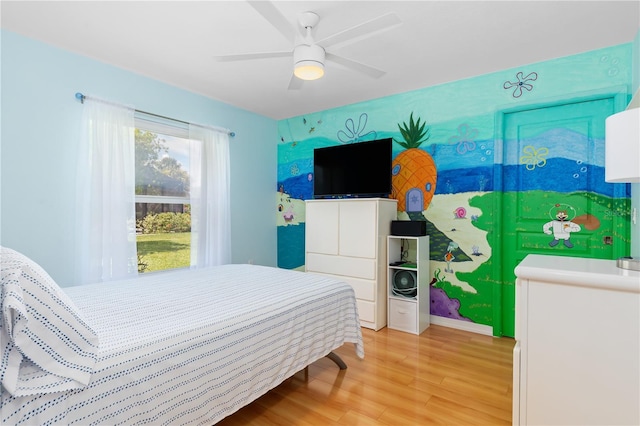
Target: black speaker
x=409, y=228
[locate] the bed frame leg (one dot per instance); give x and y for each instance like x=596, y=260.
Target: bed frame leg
x=335, y=358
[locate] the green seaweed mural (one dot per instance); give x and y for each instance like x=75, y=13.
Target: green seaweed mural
x=450, y=301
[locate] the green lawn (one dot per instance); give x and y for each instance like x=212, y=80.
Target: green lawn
x=164, y=251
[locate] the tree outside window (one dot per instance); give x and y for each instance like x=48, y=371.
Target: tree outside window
x=163, y=217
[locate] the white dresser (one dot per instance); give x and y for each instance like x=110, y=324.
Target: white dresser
x=577, y=354
x=347, y=238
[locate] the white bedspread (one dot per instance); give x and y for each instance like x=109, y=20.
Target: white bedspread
x=193, y=346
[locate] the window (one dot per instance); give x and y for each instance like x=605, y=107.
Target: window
x=163, y=212
x=191, y=190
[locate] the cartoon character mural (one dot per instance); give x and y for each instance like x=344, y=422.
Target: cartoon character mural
x=449, y=257
x=561, y=227
x=562, y=224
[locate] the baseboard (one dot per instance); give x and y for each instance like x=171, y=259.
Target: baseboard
x=461, y=325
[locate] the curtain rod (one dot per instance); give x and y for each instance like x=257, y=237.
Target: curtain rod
x=81, y=98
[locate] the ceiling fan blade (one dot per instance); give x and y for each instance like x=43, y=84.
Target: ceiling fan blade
x=269, y=11
x=295, y=83
x=361, y=31
x=356, y=66
x=249, y=56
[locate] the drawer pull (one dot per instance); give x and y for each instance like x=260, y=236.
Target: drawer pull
x=403, y=311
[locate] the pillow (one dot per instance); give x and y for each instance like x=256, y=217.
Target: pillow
x=46, y=344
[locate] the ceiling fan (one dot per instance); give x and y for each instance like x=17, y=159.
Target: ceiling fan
x=309, y=55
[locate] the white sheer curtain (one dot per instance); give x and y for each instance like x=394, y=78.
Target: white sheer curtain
x=210, y=205
x=106, y=242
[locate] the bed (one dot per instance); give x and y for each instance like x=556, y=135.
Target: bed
x=179, y=347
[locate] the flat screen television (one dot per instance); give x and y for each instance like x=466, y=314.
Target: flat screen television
x=360, y=169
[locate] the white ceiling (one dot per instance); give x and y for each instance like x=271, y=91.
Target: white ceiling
x=437, y=42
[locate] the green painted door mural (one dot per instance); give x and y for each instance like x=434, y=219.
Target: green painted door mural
x=554, y=199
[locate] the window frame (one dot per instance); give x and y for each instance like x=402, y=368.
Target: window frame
x=162, y=126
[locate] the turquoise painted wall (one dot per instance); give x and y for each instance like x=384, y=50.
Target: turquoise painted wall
x=40, y=137
x=464, y=142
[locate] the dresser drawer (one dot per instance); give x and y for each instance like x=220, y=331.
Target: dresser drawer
x=356, y=267
x=366, y=311
x=364, y=289
x=403, y=315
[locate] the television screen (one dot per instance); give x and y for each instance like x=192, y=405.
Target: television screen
x=360, y=169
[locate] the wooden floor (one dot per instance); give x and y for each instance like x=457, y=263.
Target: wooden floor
x=444, y=376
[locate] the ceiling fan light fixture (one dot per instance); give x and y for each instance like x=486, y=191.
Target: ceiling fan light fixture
x=308, y=62
x=309, y=70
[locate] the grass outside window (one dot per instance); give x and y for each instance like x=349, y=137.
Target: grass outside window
x=157, y=252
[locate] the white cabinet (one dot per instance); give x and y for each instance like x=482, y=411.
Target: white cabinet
x=346, y=238
x=408, y=283
x=577, y=352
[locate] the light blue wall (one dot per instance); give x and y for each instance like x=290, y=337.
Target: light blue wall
x=40, y=136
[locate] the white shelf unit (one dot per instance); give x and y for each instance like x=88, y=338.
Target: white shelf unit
x=346, y=238
x=408, y=311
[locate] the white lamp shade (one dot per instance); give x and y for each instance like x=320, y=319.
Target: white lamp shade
x=309, y=70
x=622, y=147
x=308, y=62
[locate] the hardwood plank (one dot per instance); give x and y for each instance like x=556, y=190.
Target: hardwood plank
x=460, y=414
x=444, y=376
x=354, y=403
x=499, y=407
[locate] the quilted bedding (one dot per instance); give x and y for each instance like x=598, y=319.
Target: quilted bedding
x=193, y=346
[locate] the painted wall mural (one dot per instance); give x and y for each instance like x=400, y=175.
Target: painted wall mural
x=494, y=175
x=521, y=83
x=413, y=170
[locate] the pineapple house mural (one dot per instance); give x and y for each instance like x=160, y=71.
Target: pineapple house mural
x=413, y=170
